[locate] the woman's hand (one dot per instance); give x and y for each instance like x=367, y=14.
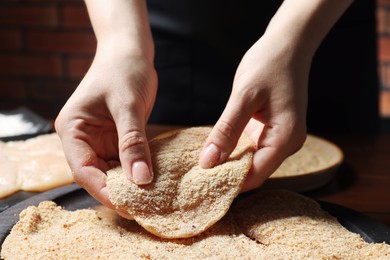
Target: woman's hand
x=268, y=102
x=105, y=120
x=105, y=117
x=269, y=95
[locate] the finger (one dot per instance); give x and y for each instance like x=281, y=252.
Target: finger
x=265, y=162
x=87, y=168
x=274, y=146
x=134, y=150
x=124, y=214
x=94, y=182
x=225, y=134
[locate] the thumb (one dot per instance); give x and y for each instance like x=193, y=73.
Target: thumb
x=134, y=152
x=225, y=134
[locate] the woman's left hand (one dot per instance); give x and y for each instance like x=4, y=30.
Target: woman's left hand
x=268, y=102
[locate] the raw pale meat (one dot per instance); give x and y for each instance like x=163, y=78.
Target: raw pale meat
x=8, y=179
x=37, y=164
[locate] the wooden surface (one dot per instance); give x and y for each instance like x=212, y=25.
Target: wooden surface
x=362, y=183
x=363, y=180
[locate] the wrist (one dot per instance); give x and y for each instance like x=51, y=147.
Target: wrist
x=304, y=24
x=126, y=45
x=122, y=26
x=288, y=47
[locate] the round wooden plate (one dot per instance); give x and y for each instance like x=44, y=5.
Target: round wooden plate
x=311, y=167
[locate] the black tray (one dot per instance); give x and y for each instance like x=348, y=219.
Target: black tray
x=42, y=126
x=72, y=197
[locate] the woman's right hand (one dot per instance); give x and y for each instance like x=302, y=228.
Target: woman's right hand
x=105, y=117
x=105, y=120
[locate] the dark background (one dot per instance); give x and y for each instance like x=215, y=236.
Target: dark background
x=47, y=46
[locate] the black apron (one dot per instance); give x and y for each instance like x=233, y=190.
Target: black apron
x=200, y=43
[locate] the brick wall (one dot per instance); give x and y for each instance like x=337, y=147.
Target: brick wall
x=46, y=46
x=383, y=25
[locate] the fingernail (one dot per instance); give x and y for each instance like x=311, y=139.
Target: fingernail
x=209, y=156
x=141, y=173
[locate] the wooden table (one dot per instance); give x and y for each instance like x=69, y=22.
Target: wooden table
x=362, y=183
x=363, y=180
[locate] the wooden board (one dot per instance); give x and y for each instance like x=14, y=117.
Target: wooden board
x=303, y=178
